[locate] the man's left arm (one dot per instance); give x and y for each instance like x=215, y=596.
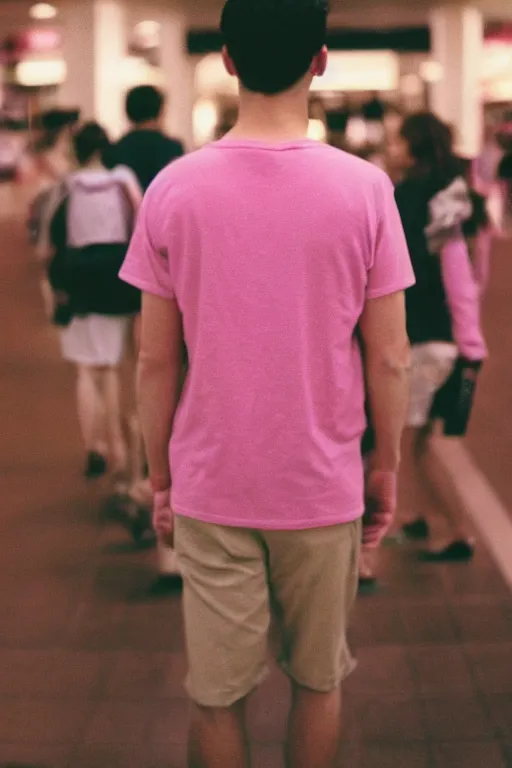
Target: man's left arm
x=159, y=381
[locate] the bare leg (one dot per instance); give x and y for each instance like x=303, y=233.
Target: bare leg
x=48, y=298
x=114, y=421
x=366, y=564
x=413, y=447
x=413, y=474
x=89, y=403
x=452, y=515
x=135, y=342
x=314, y=730
x=218, y=738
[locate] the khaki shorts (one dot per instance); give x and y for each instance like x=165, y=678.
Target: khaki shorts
x=236, y=579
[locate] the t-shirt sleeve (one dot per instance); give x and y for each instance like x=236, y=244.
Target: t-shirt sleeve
x=390, y=269
x=146, y=265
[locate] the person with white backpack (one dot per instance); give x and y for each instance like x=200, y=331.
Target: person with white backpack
x=90, y=232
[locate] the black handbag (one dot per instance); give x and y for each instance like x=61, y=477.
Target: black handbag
x=453, y=403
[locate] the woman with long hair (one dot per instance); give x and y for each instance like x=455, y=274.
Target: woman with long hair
x=443, y=308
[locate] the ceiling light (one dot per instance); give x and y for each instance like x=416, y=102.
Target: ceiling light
x=206, y=119
x=317, y=130
x=43, y=11
x=147, y=28
x=147, y=34
x=37, y=74
x=432, y=71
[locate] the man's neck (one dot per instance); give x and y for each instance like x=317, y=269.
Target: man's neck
x=272, y=118
x=149, y=125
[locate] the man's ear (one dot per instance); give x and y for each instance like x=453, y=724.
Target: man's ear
x=228, y=62
x=319, y=64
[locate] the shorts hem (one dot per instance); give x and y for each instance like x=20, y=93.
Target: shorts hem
x=88, y=363
x=324, y=686
x=226, y=699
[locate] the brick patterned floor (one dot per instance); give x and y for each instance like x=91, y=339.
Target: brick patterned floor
x=489, y=438
x=91, y=670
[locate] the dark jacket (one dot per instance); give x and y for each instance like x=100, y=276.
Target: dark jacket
x=146, y=152
x=428, y=316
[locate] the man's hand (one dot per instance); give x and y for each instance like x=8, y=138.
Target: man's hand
x=163, y=515
x=381, y=502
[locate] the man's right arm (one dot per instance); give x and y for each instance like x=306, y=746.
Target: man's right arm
x=387, y=363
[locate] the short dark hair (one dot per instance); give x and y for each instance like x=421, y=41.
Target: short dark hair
x=58, y=119
x=144, y=103
x=90, y=140
x=273, y=42
x=52, y=125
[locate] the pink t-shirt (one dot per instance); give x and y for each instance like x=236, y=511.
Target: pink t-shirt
x=271, y=252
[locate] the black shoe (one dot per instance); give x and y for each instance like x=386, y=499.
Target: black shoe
x=368, y=585
x=417, y=530
x=456, y=552
x=166, y=585
x=95, y=466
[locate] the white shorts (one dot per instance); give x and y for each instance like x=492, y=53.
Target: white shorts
x=432, y=364
x=95, y=340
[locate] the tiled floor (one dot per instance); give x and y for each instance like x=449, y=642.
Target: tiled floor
x=489, y=437
x=91, y=670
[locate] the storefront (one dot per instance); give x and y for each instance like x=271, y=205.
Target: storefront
x=87, y=56
x=346, y=106
x=33, y=68
x=369, y=74
x=363, y=93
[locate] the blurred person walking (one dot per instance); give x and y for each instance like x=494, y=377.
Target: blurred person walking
x=145, y=148
x=443, y=308
x=90, y=232
x=265, y=251
x=53, y=158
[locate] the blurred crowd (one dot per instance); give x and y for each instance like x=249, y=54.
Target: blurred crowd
x=80, y=223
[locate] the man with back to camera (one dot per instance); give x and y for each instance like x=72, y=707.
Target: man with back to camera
x=267, y=251
x=145, y=148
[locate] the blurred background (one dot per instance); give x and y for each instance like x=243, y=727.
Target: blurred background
x=90, y=665
x=385, y=58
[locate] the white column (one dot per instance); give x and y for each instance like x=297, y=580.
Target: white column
x=457, y=44
x=178, y=71
x=95, y=48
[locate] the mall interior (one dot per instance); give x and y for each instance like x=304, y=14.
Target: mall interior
x=92, y=659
